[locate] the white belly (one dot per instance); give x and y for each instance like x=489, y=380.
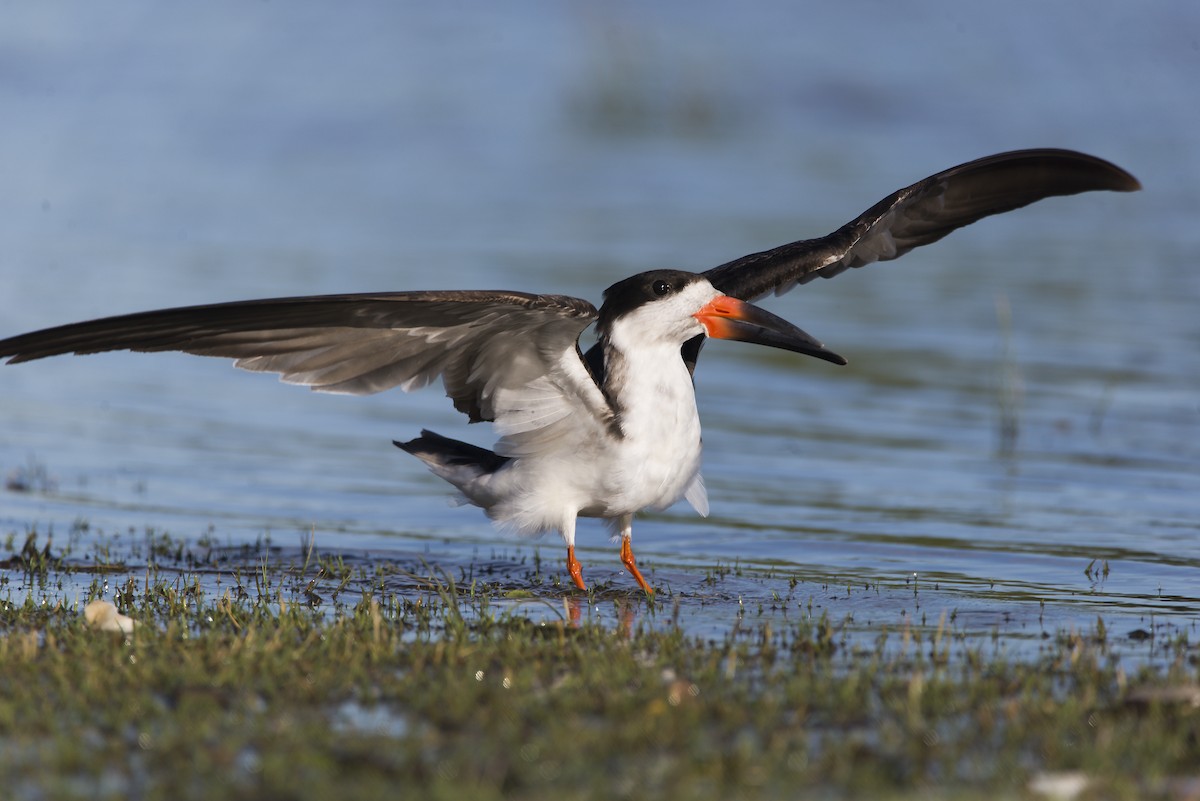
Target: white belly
x=651, y=466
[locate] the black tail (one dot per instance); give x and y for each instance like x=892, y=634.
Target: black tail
x=436, y=450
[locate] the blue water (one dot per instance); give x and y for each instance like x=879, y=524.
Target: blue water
x=153, y=156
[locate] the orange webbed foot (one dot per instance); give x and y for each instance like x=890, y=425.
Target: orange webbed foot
x=631, y=565
x=575, y=569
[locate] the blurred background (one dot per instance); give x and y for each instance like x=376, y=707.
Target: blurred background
x=156, y=155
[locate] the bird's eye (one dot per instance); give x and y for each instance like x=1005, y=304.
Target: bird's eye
x=661, y=288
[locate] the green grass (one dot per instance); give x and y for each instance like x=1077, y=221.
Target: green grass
x=252, y=675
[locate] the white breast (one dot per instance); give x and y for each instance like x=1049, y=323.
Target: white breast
x=654, y=462
x=659, y=456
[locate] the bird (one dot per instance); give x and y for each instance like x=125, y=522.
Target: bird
x=605, y=433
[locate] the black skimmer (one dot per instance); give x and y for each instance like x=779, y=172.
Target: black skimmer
x=604, y=434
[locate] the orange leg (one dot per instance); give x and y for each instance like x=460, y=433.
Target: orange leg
x=631, y=565
x=575, y=569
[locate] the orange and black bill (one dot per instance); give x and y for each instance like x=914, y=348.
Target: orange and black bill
x=729, y=318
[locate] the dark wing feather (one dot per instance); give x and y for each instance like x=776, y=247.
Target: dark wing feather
x=920, y=214
x=486, y=346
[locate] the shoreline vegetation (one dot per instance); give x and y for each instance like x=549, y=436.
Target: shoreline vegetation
x=254, y=671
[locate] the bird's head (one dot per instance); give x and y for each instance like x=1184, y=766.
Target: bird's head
x=673, y=306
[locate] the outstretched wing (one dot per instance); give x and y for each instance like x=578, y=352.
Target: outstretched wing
x=920, y=214
x=507, y=357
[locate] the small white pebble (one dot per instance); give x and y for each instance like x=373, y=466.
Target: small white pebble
x=1060, y=786
x=103, y=615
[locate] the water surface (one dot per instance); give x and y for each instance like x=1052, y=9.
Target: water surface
x=155, y=158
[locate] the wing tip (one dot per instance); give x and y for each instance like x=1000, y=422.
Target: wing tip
x=1104, y=174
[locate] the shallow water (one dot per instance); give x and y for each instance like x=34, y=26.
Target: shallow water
x=154, y=159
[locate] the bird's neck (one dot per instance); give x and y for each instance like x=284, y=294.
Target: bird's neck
x=648, y=382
